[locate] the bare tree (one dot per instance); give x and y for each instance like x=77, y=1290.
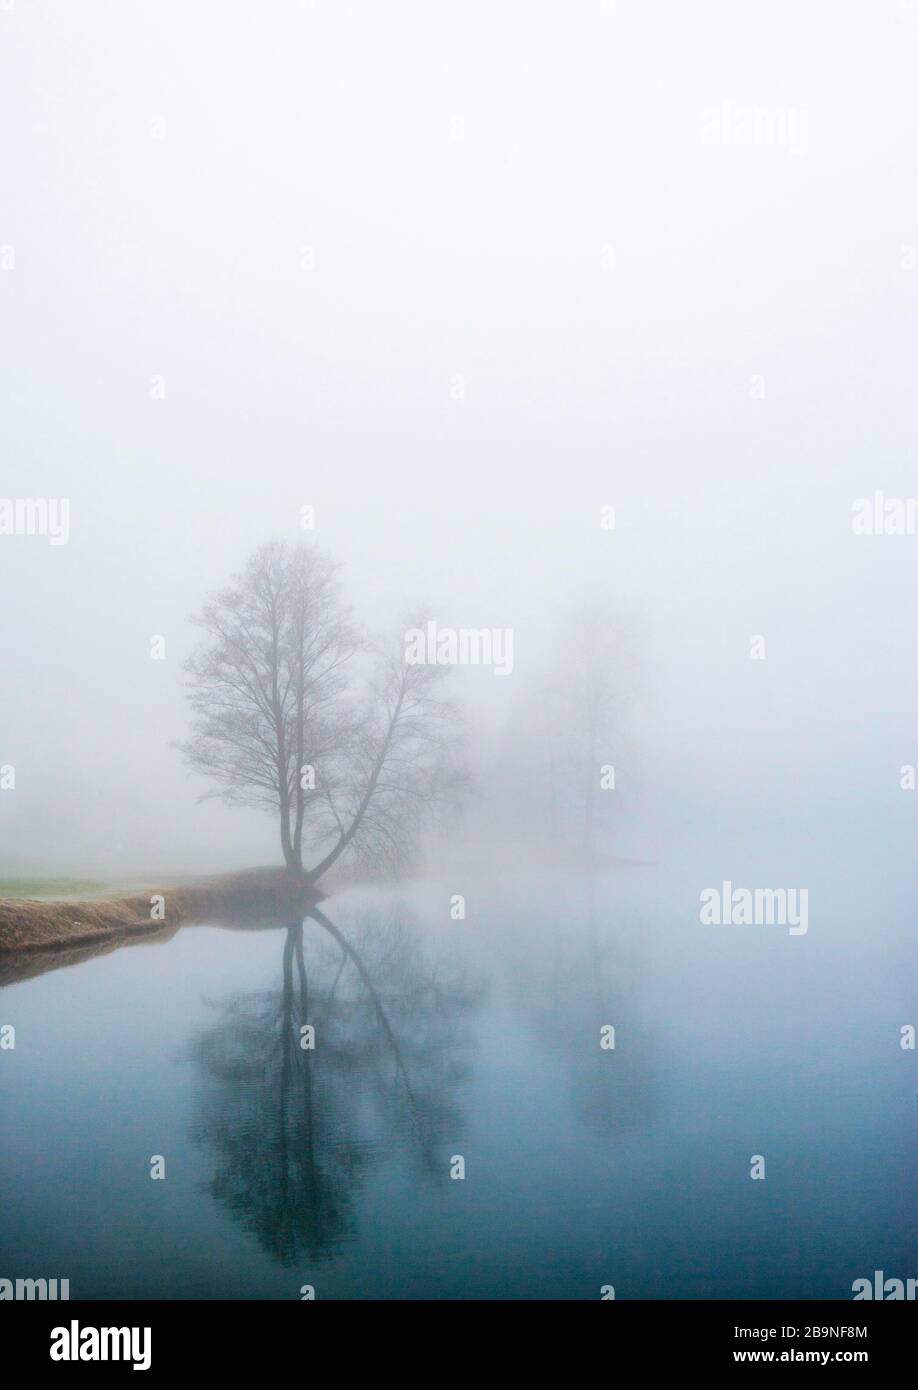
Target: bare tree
x=592, y=690
x=280, y=721
x=401, y=769
x=595, y=659
x=268, y=686
x=566, y=736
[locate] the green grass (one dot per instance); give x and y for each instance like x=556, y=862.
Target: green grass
x=119, y=887
x=53, y=888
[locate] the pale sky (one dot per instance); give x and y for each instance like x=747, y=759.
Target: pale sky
x=458, y=275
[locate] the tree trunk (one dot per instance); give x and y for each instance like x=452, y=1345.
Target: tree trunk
x=292, y=859
x=346, y=836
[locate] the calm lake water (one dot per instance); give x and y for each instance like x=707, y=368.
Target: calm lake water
x=480, y=1038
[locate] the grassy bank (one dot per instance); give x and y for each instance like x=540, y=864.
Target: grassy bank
x=70, y=919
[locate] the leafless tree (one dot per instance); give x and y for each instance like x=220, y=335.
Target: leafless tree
x=401, y=767
x=591, y=701
x=294, y=712
x=569, y=726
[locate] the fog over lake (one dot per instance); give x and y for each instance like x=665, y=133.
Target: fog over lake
x=548, y=371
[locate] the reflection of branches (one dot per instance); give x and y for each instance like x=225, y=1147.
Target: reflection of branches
x=295, y=1129
x=263, y=1126
x=377, y=1003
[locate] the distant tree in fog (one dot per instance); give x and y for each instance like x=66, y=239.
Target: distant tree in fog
x=295, y=712
x=590, y=695
x=569, y=727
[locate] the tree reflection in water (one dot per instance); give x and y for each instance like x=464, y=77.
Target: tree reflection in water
x=294, y=1130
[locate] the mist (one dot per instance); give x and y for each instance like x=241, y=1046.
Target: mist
x=458, y=469
x=458, y=278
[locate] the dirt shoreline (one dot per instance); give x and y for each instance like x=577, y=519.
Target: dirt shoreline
x=35, y=924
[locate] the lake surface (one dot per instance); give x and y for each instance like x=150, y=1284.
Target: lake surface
x=478, y=1039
